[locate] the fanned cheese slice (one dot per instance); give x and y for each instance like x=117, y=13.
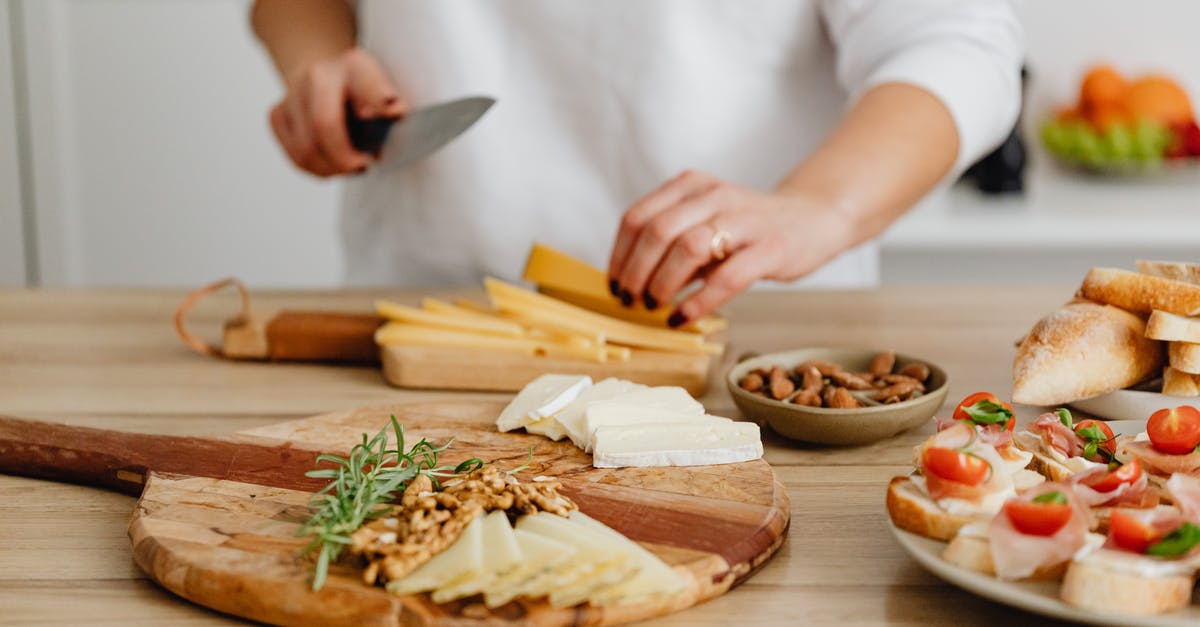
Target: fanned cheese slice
x=599, y=561
x=549, y=427
x=654, y=579
x=676, y=444
x=461, y=560
x=572, y=417
x=541, y=398
x=500, y=555
x=539, y=555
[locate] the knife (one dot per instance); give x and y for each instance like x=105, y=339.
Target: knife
x=399, y=142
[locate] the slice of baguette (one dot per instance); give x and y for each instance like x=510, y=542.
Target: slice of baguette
x=1176, y=270
x=1140, y=293
x=1184, y=356
x=1084, y=349
x=1179, y=383
x=912, y=510
x=975, y=553
x=1169, y=327
x=1089, y=584
x=1048, y=467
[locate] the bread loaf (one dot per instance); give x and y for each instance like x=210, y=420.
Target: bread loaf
x=1177, y=270
x=1179, y=383
x=1082, y=350
x=1169, y=327
x=1185, y=357
x=1140, y=293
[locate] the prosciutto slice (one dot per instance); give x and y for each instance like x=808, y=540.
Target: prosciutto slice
x=1185, y=492
x=1161, y=463
x=1057, y=435
x=1017, y=555
x=1136, y=494
x=1161, y=519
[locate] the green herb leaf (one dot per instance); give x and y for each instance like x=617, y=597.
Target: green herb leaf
x=1177, y=543
x=1055, y=498
x=1064, y=415
x=987, y=412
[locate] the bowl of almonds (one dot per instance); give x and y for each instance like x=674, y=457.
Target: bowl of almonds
x=838, y=396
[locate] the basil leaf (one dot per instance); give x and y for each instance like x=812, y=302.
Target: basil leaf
x=1177, y=543
x=1092, y=434
x=1054, y=497
x=1089, y=450
x=1064, y=416
x=988, y=412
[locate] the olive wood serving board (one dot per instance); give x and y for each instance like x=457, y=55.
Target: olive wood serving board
x=216, y=517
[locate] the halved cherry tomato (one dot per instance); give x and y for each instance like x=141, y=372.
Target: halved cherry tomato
x=1037, y=519
x=1110, y=442
x=1131, y=534
x=960, y=412
x=955, y=465
x=1111, y=481
x=1175, y=431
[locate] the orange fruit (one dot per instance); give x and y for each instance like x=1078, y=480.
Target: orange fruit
x=1158, y=98
x=1105, y=115
x=1101, y=85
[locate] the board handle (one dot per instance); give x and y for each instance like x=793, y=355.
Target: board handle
x=120, y=461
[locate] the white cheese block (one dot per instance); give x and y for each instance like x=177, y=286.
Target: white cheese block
x=501, y=553
x=572, y=416
x=462, y=559
x=673, y=398
x=676, y=444
x=539, y=555
x=549, y=427
x=618, y=412
x=540, y=398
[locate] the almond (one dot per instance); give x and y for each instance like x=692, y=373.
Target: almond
x=904, y=388
x=883, y=363
x=843, y=399
x=916, y=370
x=808, y=398
x=812, y=380
x=781, y=385
x=850, y=380
x=752, y=382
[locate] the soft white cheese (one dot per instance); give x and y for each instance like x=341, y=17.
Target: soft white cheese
x=618, y=412
x=988, y=506
x=572, y=417
x=549, y=427
x=676, y=444
x=1140, y=565
x=541, y=398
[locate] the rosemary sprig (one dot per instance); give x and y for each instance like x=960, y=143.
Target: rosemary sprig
x=362, y=487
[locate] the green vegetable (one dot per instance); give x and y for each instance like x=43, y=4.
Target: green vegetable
x=1064, y=415
x=1055, y=498
x=987, y=412
x=362, y=486
x=1177, y=543
x=1093, y=437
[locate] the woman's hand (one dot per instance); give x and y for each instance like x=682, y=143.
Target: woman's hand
x=697, y=226
x=310, y=121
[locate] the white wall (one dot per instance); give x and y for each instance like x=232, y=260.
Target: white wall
x=12, y=233
x=153, y=160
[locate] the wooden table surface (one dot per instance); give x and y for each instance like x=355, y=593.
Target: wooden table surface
x=110, y=359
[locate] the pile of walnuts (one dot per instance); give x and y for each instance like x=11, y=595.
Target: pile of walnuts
x=817, y=383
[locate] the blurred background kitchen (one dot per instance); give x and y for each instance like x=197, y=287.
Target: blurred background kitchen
x=134, y=150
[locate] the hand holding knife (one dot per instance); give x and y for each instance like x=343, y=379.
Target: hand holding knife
x=398, y=142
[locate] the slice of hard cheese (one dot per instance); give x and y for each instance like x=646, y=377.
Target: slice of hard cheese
x=654, y=578
x=600, y=561
x=572, y=417
x=541, y=398
x=539, y=555
x=461, y=560
x=676, y=444
x=500, y=554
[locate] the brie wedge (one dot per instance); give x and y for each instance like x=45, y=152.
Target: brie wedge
x=572, y=416
x=676, y=444
x=542, y=398
x=619, y=412
x=549, y=427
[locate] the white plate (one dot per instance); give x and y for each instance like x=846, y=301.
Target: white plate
x=1037, y=597
x=1128, y=404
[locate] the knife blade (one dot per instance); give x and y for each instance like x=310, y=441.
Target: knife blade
x=399, y=142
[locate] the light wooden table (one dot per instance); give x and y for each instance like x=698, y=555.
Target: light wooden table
x=110, y=359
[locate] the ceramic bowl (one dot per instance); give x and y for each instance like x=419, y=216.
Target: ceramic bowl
x=841, y=427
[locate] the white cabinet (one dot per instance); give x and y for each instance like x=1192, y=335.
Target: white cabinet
x=153, y=163
x=12, y=223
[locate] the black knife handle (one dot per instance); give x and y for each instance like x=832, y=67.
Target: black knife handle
x=367, y=135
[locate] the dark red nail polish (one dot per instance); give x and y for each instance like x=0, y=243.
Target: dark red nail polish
x=651, y=302
x=614, y=287
x=626, y=298
x=676, y=320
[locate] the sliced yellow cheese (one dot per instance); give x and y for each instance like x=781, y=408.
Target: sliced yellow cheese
x=599, y=561
x=462, y=559
x=476, y=324
x=501, y=554
x=404, y=333
x=573, y=280
x=511, y=298
x=539, y=555
x=654, y=578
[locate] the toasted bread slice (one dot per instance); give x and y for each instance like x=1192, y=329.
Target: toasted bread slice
x=1140, y=293
x=1179, y=383
x=975, y=553
x=1175, y=270
x=1048, y=467
x=912, y=510
x=1089, y=584
x=1084, y=349
x=1169, y=327
x=1184, y=357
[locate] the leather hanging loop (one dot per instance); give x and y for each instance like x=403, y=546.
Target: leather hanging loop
x=193, y=342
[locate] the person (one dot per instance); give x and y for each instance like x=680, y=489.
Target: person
x=744, y=140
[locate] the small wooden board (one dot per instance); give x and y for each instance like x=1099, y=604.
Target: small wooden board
x=470, y=369
x=230, y=545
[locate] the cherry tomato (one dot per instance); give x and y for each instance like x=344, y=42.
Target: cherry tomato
x=955, y=465
x=1175, y=431
x=1037, y=519
x=1131, y=534
x=1110, y=443
x=960, y=412
x=1111, y=481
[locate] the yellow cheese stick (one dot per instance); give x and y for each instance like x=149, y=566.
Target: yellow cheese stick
x=405, y=333
x=480, y=324
x=511, y=298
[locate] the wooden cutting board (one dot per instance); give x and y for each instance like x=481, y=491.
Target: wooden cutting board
x=216, y=519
